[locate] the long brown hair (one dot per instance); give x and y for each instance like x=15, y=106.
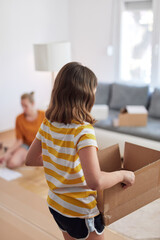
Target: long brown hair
x=72, y=95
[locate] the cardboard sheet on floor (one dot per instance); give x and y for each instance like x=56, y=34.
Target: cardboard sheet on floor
x=117, y=202
x=9, y=174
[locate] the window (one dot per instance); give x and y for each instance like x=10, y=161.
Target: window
x=136, y=42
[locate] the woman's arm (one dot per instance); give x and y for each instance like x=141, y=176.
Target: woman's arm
x=34, y=155
x=8, y=154
x=97, y=179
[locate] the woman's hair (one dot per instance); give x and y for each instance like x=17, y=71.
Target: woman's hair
x=29, y=96
x=73, y=95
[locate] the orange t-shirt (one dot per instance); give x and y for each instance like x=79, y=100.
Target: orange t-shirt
x=26, y=130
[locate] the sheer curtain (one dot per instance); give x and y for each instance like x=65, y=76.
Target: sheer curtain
x=155, y=80
x=118, y=6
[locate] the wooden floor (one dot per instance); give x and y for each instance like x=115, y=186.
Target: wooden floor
x=141, y=224
x=33, y=178
x=37, y=216
x=7, y=137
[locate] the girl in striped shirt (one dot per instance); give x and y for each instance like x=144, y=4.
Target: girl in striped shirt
x=65, y=145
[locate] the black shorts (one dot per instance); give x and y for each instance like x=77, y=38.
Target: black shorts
x=78, y=228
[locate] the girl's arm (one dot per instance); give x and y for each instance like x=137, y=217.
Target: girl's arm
x=34, y=155
x=97, y=179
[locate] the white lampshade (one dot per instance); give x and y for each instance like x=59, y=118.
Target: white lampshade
x=52, y=56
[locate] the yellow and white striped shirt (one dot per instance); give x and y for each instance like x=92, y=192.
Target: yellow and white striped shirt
x=68, y=192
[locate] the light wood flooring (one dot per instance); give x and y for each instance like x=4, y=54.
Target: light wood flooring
x=33, y=178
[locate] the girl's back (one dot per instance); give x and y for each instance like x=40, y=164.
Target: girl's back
x=68, y=192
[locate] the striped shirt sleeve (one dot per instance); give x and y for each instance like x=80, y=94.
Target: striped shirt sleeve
x=38, y=135
x=86, y=137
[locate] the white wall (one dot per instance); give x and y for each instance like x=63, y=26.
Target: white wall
x=90, y=33
x=86, y=23
x=23, y=23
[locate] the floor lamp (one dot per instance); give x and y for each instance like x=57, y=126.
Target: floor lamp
x=52, y=56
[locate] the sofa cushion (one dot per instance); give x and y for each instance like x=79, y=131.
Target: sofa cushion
x=154, y=109
x=102, y=93
x=123, y=94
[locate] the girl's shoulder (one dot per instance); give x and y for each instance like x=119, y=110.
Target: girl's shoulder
x=74, y=127
x=81, y=124
x=85, y=128
x=44, y=122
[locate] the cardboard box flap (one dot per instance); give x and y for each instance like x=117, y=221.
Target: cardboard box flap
x=110, y=159
x=136, y=157
x=119, y=202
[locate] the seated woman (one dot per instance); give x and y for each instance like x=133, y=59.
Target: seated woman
x=27, y=125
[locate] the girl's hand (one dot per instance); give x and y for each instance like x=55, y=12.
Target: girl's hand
x=5, y=157
x=128, y=178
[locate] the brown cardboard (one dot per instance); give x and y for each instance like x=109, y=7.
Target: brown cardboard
x=109, y=159
x=117, y=202
x=126, y=118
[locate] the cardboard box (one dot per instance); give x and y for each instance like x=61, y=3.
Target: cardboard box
x=116, y=202
x=132, y=116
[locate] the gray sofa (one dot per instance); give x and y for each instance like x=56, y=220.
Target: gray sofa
x=118, y=95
